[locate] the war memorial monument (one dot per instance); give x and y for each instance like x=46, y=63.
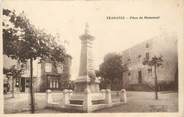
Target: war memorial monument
x=87, y=96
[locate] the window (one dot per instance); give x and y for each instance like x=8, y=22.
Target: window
x=60, y=68
x=48, y=67
x=53, y=83
x=27, y=82
x=149, y=70
x=53, y=86
x=139, y=56
x=129, y=60
x=57, y=84
x=50, y=83
x=129, y=74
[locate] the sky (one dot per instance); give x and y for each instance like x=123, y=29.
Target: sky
x=68, y=19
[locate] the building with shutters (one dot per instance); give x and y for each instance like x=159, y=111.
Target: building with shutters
x=54, y=77
x=46, y=75
x=141, y=77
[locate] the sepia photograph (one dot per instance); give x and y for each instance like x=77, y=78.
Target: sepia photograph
x=91, y=57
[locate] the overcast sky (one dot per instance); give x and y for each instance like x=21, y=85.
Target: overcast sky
x=68, y=19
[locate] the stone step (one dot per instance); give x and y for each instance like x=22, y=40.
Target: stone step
x=74, y=105
x=76, y=102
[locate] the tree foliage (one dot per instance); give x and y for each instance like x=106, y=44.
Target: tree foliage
x=111, y=68
x=22, y=40
x=13, y=71
x=154, y=62
x=97, y=72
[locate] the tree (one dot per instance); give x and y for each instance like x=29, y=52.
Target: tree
x=24, y=42
x=111, y=69
x=154, y=62
x=97, y=72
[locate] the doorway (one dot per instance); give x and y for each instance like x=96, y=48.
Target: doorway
x=139, y=77
x=22, y=85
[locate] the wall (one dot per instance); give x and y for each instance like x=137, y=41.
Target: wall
x=163, y=45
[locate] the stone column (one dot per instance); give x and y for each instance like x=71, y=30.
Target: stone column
x=123, y=96
x=49, y=96
x=66, y=96
x=86, y=85
x=108, y=99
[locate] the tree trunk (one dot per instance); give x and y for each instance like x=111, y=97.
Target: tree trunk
x=13, y=93
x=156, y=83
x=31, y=87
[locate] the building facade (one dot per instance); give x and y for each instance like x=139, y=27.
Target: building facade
x=54, y=76
x=46, y=75
x=138, y=74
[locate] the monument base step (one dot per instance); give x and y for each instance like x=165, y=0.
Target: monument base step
x=80, y=108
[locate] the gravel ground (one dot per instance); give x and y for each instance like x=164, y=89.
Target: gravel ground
x=21, y=102
x=145, y=102
x=137, y=102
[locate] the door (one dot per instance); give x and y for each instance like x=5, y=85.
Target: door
x=22, y=84
x=139, y=77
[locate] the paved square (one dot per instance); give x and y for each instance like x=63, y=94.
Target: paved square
x=137, y=102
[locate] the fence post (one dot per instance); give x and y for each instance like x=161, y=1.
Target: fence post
x=108, y=98
x=49, y=96
x=66, y=96
x=123, y=96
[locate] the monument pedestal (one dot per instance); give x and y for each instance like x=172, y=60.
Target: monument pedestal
x=86, y=94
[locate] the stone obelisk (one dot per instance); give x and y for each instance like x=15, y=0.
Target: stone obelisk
x=86, y=69
x=86, y=85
